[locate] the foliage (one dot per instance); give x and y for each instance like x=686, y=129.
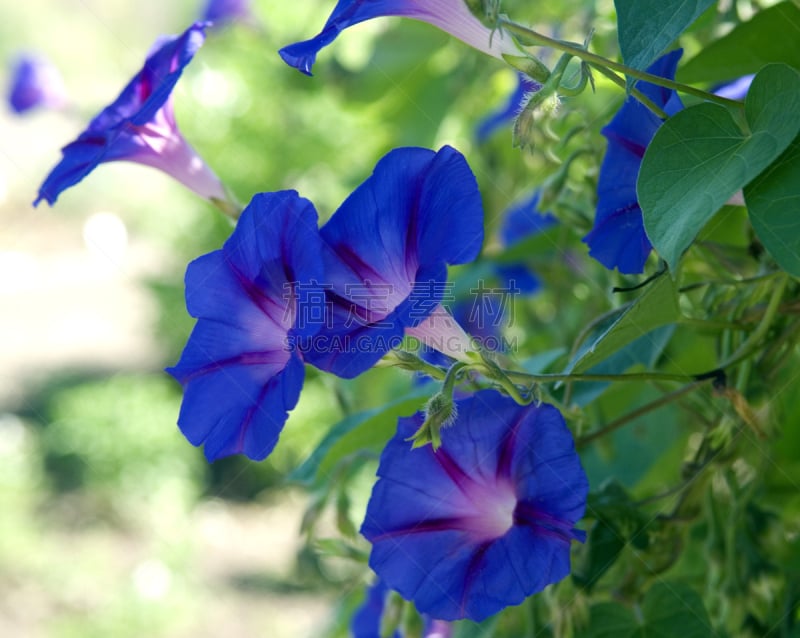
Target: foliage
x=678, y=384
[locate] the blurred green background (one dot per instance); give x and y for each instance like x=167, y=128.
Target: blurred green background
x=111, y=524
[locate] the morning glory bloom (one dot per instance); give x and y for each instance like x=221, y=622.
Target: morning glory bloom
x=35, y=83
x=222, y=12
x=240, y=370
x=736, y=90
x=386, y=251
x=485, y=520
x=618, y=239
x=139, y=126
x=522, y=221
x=366, y=622
x=451, y=16
x=509, y=111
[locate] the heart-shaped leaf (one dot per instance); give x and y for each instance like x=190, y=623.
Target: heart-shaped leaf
x=670, y=610
x=769, y=36
x=773, y=202
x=700, y=157
x=648, y=27
x=655, y=307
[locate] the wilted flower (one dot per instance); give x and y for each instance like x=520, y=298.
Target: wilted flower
x=506, y=113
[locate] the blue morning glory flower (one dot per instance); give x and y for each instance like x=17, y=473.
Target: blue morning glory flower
x=226, y=11
x=509, y=111
x=522, y=221
x=240, y=370
x=484, y=521
x=366, y=622
x=139, y=126
x=451, y=16
x=618, y=239
x=737, y=89
x=386, y=254
x=35, y=83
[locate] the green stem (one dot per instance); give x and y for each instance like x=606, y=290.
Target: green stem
x=711, y=324
x=635, y=414
x=620, y=82
x=599, y=61
x=527, y=378
x=754, y=340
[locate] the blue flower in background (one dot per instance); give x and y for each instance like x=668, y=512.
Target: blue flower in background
x=522, y=221
x=35, y=83
x=386, y=252
x=618, y=239
x=366, y=622
x=451, y=16
x=139, y=126
x=509, y=111
x=736, y=90
x=240, y=371
x=222, y=12
x=484, y=521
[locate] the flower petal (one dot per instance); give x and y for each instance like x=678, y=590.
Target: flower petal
x=618, y=239
x=484, y=521
x=387, y=250
x=452, y=16
x=240, y=370
x=139, y=126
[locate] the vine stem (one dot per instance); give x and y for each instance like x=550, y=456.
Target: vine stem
x=525, y=377
x=620, y=82
x=635, y=414
x=599, y=61
x=753, y=341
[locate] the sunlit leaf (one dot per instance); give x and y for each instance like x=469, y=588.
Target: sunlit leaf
x=656, y=307
x=700, y=157
x=669, y=610
x=773, y=202
x=772, y=35
x=648, y=27
x=365, y=431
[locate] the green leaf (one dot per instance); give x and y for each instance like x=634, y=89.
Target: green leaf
x=364, y=431
x=670, y=610
x=642, y=351
x=773, y=202
x=647, y=27
x=610, y=620
x=617, y=522
x=655, y=307
x=469, y=629
x=603, y=546
x=699, y=158
x=674, y=610
x=770, y=36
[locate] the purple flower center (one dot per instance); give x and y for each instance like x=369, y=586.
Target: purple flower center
x=494, y=510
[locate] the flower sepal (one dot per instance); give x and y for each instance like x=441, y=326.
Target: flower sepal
x=392, y=615
x=487, y=11
x=530, y=65
x=440, y=412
